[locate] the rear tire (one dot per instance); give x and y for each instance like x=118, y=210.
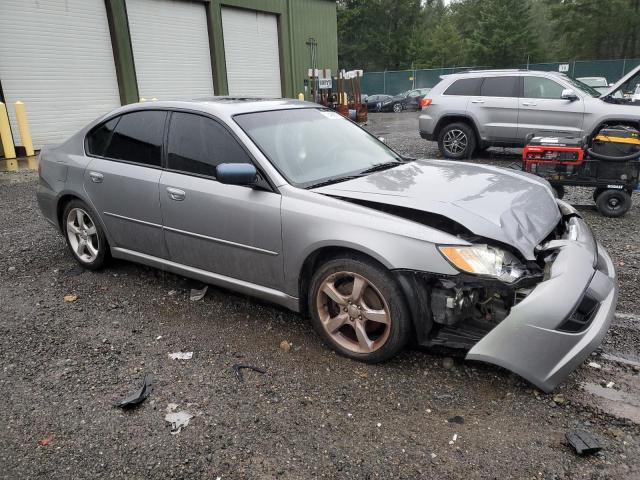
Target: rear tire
x=613, y=203
x=397, y=107
x=84, y=235
x=364, y=315
x=457, y=141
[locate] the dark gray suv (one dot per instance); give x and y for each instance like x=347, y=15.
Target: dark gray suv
x=476, y=110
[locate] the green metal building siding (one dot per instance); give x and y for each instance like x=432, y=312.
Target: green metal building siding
x=298, y=20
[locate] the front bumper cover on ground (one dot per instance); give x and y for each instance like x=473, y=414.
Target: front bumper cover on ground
x=531, y=340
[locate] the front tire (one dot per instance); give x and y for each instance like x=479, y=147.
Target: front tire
x=397, y=107
x=358, y=309
x=613, y=203
x=457, y=141
x=85, y=237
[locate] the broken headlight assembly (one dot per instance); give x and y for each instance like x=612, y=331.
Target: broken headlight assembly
x=484, y=260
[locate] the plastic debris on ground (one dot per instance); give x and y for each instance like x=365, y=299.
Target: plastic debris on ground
x=237, y=368
x=180, y=355
x=595, y=365
x=43, y=442
x=139, y=395
x=178, y=420
x=198, y=294
x=457, y=419
x=583, y=442
x=71, y=298
x=285, y=346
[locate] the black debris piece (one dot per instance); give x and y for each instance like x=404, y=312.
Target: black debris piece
x=583, y=442
x=238, y=369
x=139, y=396
x=457, y=419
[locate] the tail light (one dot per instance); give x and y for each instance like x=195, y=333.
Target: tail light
x=425, y=102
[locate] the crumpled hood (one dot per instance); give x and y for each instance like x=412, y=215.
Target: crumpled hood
x=506, y=205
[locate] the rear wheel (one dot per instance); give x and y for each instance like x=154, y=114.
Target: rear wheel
x=84, y=236
x=397, y=107
x=358, y=309
x=613, y=203
x=457, y=141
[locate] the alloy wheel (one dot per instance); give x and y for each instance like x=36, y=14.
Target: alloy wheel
x=455, y=141
x=397, y=108
x=353, y=312
x=82, y=235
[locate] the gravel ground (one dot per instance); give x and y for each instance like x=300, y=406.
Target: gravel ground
x=312, y=414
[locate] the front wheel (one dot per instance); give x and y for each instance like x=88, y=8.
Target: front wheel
x=397, y=107
x=457, y=141
x=358, y=309
x=84, y=236
x=613, y=203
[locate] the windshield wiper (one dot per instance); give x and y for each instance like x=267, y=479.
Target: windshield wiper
x=385, y=165
x=331, y=181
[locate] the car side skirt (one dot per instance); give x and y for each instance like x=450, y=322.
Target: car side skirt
x=240, y=286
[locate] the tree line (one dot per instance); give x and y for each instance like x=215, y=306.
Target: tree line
x=402, y=34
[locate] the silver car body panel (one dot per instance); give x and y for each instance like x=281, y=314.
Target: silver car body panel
x=258, y=242
x=495, y=205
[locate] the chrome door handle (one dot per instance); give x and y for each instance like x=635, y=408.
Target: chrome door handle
x=176, y=194
x=477, y=101
x=529, y=104
x=96, y=177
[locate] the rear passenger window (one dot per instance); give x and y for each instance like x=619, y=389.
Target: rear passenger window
x=499, y=87
x=198, y=144
x=132, y=137
x=464, y=86
x=540, y=87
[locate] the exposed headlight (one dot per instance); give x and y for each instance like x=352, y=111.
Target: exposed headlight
x=484, y=260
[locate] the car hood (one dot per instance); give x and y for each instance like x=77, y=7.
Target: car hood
x=505, y=205
x=616, y=86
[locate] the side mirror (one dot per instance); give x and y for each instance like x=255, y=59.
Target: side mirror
x=568, y=94
x=236, y=173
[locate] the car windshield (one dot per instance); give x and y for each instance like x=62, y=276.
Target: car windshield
x=314, y=146
x=594, y=82
x=583, y=87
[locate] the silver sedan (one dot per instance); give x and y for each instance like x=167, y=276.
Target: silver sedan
x=292, y=203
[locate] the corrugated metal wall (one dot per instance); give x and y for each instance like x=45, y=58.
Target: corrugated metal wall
x=312, y=19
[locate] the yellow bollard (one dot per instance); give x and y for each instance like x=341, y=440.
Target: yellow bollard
x=301, y=97
x=23, y=127
x=5, y=135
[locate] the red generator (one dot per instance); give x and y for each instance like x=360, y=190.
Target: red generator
x=554, y=158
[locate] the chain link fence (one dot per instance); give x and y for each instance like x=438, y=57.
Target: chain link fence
x=393, y=82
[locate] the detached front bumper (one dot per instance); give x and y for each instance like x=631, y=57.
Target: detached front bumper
x=564, y=318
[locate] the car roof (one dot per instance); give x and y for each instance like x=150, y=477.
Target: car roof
x=227, y=106
x=496, y=72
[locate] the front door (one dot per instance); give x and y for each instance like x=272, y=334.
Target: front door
x=229, y=230
x=122, y=179
x=544, y=112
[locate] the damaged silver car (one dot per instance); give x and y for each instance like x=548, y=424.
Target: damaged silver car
x=289, y=202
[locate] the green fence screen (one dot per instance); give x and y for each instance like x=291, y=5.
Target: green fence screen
x=394, y=82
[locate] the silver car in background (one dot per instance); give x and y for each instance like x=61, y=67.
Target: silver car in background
x=290, y=202
x=481, y=109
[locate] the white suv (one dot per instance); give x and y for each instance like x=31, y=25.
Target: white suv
x=480, y=109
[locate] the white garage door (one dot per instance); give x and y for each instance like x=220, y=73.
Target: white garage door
x=252, y=53
x=170, y=44
x=56, y=57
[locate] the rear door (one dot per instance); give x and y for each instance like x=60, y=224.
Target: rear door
x=543, y=111
x=495, y=109
x=122, y=179
x=229, y=230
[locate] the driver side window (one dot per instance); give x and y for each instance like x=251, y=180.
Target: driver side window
x=540, y=87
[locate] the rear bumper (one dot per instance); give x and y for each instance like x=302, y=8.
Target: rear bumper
x=540, y=339
x=426, y=125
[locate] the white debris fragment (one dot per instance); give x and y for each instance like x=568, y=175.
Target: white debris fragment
x=198, y=294
x=453, y=440
x=378, y=424
x=158, y=337
x=171, y=407
x=595, y=365
x=180, y=355
x=610, y=384
x=178, y=420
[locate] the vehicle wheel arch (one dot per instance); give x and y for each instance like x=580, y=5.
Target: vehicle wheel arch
x=446, y=120
x=67, y=197
x=323, y=254
x=614, y=121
